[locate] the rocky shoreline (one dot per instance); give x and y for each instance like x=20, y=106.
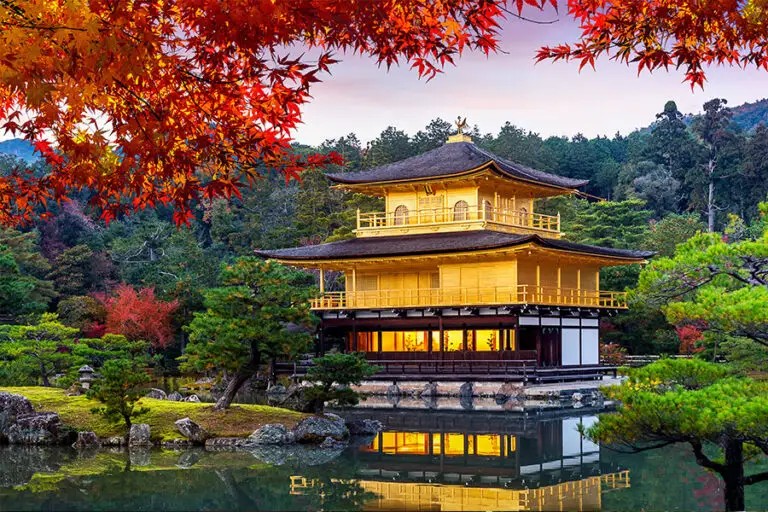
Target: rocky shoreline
x=20, y=424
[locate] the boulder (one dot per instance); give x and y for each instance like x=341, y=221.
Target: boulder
x=178, y=444
x=429, y=391
x=294, y=398
x=192, y=398
x=577, y=397
x=157, y=394
x=40, y=428
x=394, y=391
x=224, y=443
x=364, y=427
x=139, y=435
x=272, y=434
x=316, y=428
x=332, y=444
x=12, y=406
x=114, y=441
x=467, y=390
x=189, y=458
x=86, y=440
x=191, y=430
x=175, y=397
x=139, y=456
x=507, y=391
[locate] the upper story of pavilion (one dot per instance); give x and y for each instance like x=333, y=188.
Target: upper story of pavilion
x=456, y=187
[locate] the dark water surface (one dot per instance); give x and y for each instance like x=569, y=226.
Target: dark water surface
x=425, y=461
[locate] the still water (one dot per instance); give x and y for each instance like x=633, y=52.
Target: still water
x=424, y=461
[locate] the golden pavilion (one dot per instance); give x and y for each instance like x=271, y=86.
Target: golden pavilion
x=459, y=276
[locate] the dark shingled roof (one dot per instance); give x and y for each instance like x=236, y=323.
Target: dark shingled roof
x=448, y=160
x=403, y=245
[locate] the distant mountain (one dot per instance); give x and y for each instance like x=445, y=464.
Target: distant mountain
x=749, y=115
x=19, y=148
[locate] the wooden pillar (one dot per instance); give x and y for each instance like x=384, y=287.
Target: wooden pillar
x=464, y=337
x=597, y=287
x=578, y=285
x=442, y=333
x=320, y=351
x=559, y=282
x=538, y=282
x=378, y=336
x=428, y=341
x=538, y=346
x=322, y=281
x=354, y=335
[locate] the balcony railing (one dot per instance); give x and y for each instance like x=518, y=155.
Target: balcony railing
x=461, y=297
x=454, y=215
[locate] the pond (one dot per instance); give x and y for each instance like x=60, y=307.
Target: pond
x=424, y=461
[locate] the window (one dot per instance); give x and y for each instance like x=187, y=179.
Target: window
x=401, y=215
x=461, y=211
x=430, y=208
x=523, y=216
x=367, y=283
x=488, y=209
x=434, y=280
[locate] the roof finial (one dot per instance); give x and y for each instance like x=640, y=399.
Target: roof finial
x=460, y=136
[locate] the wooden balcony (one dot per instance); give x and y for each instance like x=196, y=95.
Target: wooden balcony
x=448, y=219
x=464, y=297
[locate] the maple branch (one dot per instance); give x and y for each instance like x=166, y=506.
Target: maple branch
x=529, y=20
x=49, y=28
x=145, y=102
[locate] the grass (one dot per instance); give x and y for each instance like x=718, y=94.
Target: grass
x=237, y=421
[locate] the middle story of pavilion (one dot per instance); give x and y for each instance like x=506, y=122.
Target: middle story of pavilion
x=459, y=265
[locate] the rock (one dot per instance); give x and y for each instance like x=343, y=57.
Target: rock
x=86, y=440
x=224, y=443
x=364, y=427
x=277, y=392
x=12, y=406
x=40, y=428
x=394, y=391
x=429, y=391
x=577, y=397
x=157, y=394
x=300, y=455
x=175, y=397
x=430, y=402
x=189, y=458
x=467, y=390
x=74, y=390
x=19, y=464
x=139, y=456
x=139, y=435
x=294, y=398
x=331, y=444
x=316, y=428
x=114, y=441
x=333, y=417
x=507, y=391
x=191, y=430
x=466, y=402
x=192, y=398
x=272, y=434
x=178, y=444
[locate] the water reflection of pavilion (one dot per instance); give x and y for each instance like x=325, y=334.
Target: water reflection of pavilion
x=528, y=465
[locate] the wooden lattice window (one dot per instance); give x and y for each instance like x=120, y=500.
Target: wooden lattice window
x=488, y=210
x=367, y=283
x=461, y=211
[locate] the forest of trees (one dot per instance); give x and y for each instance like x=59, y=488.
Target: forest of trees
x=663, y=184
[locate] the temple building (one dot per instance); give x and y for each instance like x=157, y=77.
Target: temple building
x=459, y=275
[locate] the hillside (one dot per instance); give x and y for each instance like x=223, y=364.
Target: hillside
x=749, y=115
x=19, y=148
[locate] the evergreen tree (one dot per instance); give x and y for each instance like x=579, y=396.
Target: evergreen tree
x=71, y=271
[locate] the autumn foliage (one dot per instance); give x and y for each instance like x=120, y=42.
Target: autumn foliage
x=654, y=34
x=139, y=315
x=170, y=102
x=689, y=336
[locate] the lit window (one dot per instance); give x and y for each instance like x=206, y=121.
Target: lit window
x=401, y=215
x=461, y=211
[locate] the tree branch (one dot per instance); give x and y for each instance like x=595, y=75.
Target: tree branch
x=703, y=460
x=758, y=477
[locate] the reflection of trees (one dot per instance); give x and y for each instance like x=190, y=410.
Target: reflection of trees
x=219, y=481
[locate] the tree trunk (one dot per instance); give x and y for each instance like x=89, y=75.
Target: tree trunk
x=711, y=199
x=44, y=374
x=241, y=377
x=734, y=476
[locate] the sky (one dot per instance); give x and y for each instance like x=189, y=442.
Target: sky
x=547, y=98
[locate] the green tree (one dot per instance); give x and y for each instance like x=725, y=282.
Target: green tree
x=722, y=286
x=671, y=144
x=82, y=312
x=674, y=229
x=261, y=312
x=434, y=135
x=40, y=350
x=696, y=403
x=121, y=385
x=333, y=374
x=71, y=271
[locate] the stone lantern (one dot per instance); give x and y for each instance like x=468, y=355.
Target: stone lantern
x=86, y=376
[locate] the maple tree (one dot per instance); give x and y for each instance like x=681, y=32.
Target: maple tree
x=139, y=315
x=170, y=102
x=653, y=34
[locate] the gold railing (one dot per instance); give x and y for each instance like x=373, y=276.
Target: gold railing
x=452, y=215
x=460, y=296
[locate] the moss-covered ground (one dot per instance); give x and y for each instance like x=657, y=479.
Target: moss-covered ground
x=76, y=412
